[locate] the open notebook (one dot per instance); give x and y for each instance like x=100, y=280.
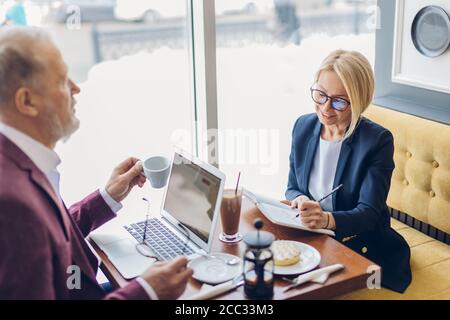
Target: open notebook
x=280, y=213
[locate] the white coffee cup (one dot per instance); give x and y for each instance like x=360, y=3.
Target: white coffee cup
x=157, y=169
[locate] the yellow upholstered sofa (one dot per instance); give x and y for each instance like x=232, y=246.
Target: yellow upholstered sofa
x=420, y=197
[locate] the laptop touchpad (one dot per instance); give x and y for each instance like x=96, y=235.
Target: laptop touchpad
x=120, y=248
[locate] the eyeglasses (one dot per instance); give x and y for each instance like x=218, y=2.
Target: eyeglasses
x=320, y=97
x=142, y=248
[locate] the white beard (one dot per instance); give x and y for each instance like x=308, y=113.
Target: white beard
x=57, y=131
x=75, y=126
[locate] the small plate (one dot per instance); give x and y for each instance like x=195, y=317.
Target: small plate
x=214, y=270
x=309, y=259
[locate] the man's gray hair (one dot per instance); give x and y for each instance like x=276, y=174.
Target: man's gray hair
x=19, y=62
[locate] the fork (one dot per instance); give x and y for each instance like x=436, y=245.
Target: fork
x=292, y=281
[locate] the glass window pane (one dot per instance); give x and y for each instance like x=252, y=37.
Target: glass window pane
x=131, y=60
x=267, y=55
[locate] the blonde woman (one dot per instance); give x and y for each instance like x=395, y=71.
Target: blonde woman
x=336, y=145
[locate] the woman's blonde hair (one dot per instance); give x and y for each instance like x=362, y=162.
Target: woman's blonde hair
x=356, y=75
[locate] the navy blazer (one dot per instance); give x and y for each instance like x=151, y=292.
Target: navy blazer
x=364, y=167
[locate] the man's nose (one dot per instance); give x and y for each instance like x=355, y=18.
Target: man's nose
x=74, y=87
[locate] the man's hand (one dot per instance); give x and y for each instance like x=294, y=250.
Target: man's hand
x=124, y=177
x=168, y=279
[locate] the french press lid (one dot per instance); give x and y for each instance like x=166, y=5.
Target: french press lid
x=258, y=239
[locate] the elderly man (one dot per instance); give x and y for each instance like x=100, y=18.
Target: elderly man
x=41, y=241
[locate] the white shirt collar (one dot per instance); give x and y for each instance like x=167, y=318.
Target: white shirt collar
x=44, y=158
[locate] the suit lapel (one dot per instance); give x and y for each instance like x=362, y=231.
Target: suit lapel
x=42, y=182
x=346, y=151
x=310, y=152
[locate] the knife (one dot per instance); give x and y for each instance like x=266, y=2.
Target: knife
x=312, y=275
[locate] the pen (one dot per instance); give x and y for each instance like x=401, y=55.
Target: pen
x=323, y=198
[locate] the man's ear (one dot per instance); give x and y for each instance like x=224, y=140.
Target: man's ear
x=25, y=102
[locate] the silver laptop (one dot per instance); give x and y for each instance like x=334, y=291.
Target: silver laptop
x=189, y=214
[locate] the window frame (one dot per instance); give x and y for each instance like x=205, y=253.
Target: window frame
x=202, y=51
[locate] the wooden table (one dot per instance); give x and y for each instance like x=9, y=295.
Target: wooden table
x=353, y=277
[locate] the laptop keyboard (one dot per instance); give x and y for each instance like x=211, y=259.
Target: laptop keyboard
x=163, y=242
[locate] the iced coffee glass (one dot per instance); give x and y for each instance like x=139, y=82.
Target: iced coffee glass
x=230, y=213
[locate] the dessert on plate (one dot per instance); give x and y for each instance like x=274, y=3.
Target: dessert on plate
x=285, y=253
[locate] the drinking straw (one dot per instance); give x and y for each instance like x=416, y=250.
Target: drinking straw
x=237, y=183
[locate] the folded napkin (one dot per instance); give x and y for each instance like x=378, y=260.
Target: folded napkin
x=320, y=276
x=321, y=279
x=208, y=292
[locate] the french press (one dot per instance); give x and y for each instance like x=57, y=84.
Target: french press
x=258, y=263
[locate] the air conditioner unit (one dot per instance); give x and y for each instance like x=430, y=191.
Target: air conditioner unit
x=421, y=44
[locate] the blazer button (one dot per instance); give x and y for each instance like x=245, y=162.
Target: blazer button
x=364, y=250
x=405, y=182
x=435, y=164
x=408, y=154
x=432, y=194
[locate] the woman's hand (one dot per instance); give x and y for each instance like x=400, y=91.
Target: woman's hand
x=297, y=202
x=312, y=215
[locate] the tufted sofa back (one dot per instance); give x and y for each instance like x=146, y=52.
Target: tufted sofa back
x=420, y=184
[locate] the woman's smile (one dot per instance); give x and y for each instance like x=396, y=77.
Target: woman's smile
x=327, y=116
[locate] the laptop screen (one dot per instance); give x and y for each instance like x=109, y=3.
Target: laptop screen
x=191, y=196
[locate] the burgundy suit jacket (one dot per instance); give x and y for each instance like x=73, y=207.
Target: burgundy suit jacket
x=40, y=239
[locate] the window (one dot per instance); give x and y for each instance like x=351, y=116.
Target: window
x=131, y=59
x=267, y=54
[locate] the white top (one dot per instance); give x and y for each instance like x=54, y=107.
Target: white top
x=323, y=172
x=47, y=161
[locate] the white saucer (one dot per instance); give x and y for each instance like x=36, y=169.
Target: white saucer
x=215, y=271
x=309, y=259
